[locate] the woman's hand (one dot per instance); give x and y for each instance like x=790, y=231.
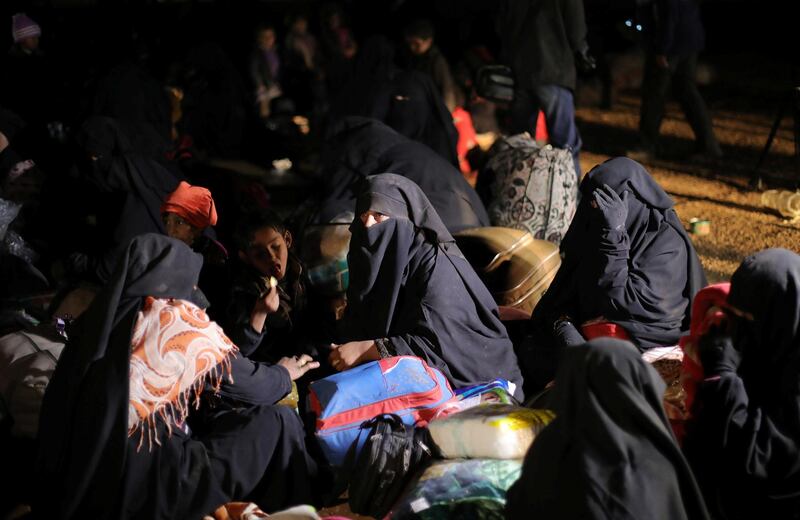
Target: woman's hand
x=298, y=365
x=348, y=355
x=614, y=210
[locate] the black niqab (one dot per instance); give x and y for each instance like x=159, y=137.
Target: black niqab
x=373, y=72
x=88, y=466
x=610, y=452
x=132, y=180
x=410, y=283
x=744, y=441
x=360, y=147
x=83, y=429
x=413, y=106
x=643, y=280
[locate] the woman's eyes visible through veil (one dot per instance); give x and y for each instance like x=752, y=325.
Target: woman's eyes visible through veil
x=370, y=218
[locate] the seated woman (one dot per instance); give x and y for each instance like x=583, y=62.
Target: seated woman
x=359, y=147
x=628, y=270
x=122, y=170
x=412, y=292
x=115, y=440
x=744, y=440
x=610, y=452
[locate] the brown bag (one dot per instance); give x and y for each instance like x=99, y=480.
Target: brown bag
x=516, y=268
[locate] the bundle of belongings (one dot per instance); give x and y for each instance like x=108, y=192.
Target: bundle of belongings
x=409, y=446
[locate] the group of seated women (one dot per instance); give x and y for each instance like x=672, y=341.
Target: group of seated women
x=154, y=413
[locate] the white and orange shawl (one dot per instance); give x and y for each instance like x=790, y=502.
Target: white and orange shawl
x=175, y=350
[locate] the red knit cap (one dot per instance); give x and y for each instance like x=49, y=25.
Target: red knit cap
x=192, y=203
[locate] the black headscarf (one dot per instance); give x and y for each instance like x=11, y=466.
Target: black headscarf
x=767, y=285
x=644, y=279
x=373, y=72
x=359, y=147
x=129, y=93
x=610, y=452
x=745, y=440
x=413, y=106
x=83, y=430
x=410, y=283
x=134, y=183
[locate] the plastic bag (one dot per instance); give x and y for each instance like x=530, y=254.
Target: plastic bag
x=459, y=489
x=498, y=391
x=495, y=431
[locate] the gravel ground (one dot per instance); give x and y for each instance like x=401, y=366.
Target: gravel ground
x=715, y=190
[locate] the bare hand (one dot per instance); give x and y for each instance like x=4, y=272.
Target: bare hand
x=661, y=61
x=348, y=355
x=3, y=141
x=269, y=302
x=298, y=365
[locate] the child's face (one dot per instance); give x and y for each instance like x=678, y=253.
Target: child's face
x=418, y=46
x=300, y=25
x=31, y=43
x=268, y=252
x=266, y=39
x=179, y=229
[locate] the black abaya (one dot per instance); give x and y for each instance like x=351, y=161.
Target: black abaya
x=89, y=467
x=744, y=441
x=642, y=277
x=610, y=452
x=413, y=106
x=360, y=147
x=132, y=181
x=410, y=285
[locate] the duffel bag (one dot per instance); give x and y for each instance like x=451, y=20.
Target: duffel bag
x=391, y=455
x=516, y=268
x=534, y=188
x=404, y=385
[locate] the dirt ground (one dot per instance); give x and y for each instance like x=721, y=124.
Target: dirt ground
x=716, y=190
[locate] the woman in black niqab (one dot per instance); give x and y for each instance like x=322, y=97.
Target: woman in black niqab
x=413, y=293
x=641, y=275
x=610, y=452
x=359, y=147
x=413, y=106
x=128, y=170
x=744, y=439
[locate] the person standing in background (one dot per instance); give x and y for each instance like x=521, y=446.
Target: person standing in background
x=265, y=69
x=425, y=56
x=543, y=41
x=676, y=36
x=26, y=86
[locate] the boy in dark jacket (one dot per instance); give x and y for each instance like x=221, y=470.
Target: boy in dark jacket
x=426, y=57
x=263, y=315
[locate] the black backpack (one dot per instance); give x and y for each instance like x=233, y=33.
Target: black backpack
x=392, y=454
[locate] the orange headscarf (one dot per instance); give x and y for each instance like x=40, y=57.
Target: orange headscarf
x=192, y=203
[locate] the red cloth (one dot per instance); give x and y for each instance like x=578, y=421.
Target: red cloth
x=604, y=329
x=466, y=137
x=193, y=204
x=706, y=312
x=541, y=128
